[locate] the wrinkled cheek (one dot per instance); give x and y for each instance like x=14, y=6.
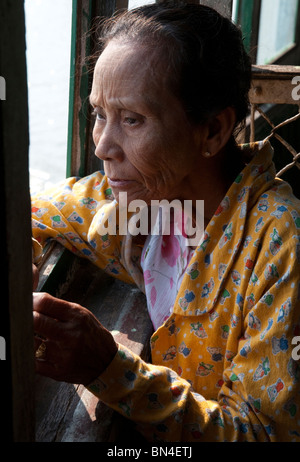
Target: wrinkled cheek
x=149, y=173
x=155, y=184
x=155, y=168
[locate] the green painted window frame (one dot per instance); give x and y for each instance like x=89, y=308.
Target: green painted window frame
x=80, y=148
x=247, y=15
x=77, y=143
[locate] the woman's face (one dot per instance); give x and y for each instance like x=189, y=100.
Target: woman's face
x=141, y=131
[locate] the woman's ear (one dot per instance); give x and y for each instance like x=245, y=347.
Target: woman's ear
x=220, y=129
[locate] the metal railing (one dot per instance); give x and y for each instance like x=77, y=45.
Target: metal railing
x=275, y=85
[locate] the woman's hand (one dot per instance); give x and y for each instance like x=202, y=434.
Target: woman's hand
x=77, y=348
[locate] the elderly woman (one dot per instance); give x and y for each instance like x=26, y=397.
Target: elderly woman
x=169, y=89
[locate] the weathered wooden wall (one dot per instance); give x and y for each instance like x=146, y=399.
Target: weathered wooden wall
x=81, y=158
x=224, y=7
x=17, y=371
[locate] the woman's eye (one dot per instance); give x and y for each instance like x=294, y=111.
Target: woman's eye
x=98, y=115
x=130, y=120
x=133, y=120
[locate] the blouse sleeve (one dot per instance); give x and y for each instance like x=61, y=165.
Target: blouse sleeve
x=75, y=213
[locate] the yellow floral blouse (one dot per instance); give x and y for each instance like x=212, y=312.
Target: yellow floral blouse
x=223, y=364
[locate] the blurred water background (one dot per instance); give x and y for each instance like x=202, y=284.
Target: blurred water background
x=48, y=38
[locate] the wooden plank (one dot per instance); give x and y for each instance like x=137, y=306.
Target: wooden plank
x=273, y=84
x=121, y=5
x=224, y=7
x=272, y=92
x=275, y=72
x=80, y=158
x=16, y=244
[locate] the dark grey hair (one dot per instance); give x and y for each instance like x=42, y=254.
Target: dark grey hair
x=208, y=66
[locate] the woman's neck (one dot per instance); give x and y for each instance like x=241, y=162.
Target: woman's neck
x=211, y=181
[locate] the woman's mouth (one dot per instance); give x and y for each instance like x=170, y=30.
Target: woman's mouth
x=119, y=183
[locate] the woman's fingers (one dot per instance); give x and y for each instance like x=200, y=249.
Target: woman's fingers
x=53, y=307
x=47, y=327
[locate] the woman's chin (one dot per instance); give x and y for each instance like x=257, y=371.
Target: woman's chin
x=129, y=193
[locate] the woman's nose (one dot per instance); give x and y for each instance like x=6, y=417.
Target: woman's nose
x=107, y=145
